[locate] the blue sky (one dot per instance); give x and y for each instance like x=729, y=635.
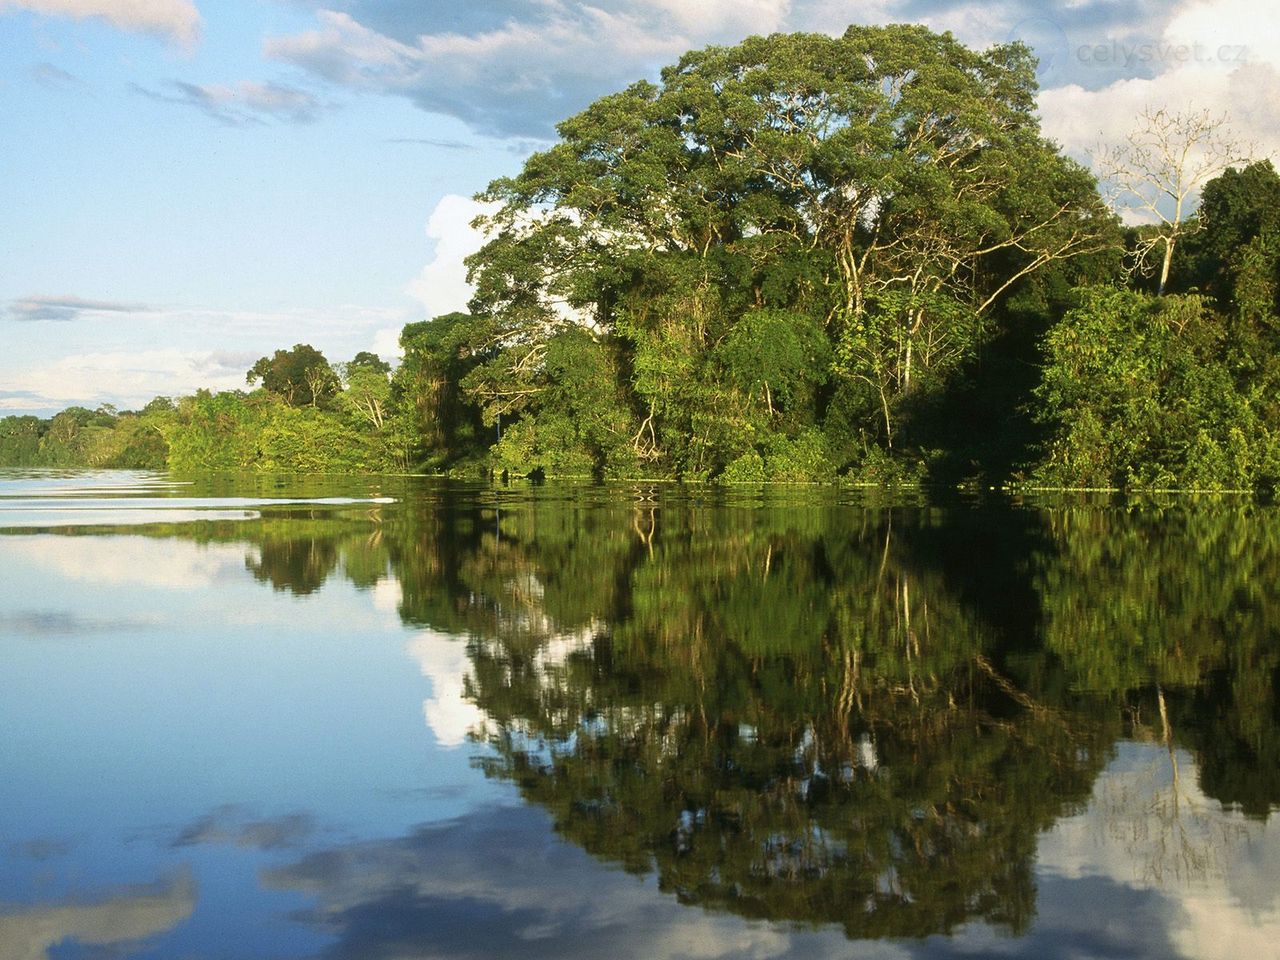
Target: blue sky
x=186, y=185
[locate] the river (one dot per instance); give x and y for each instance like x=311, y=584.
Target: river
x=398, y=718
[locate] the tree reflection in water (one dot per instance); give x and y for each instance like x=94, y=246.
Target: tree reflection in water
x=834, y=714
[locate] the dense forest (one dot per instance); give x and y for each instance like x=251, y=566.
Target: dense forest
x=800, y=258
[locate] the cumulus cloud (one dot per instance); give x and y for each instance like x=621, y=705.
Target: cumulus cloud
x=241, y=104
x=442, y=286
x=173, y=19
x=1222, y=56
x=386, y=344
x=521, y=76
x=68, y=308
x=514, y=69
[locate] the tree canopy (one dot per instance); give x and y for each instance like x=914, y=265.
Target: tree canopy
x=300, y=375
x=776, y=225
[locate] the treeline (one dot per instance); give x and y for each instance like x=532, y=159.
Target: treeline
x=308, y=416
x=797, y=259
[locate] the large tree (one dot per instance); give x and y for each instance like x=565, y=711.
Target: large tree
x=301, y=376
x=861, y=204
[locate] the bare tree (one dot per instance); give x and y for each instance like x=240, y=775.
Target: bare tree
x=1159, y=170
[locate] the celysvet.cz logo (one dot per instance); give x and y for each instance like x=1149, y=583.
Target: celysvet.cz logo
x=1134, y=54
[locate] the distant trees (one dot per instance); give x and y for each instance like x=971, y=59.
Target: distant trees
x=233, y=431
x=79, y=437
x=366, y=388
x=428, y=388
x=20, y=441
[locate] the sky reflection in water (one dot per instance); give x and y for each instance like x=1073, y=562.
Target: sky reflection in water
x=437, y=721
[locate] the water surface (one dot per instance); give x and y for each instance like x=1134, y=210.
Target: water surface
x=273, y=718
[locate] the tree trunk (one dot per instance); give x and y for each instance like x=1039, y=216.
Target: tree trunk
x=1164, y=268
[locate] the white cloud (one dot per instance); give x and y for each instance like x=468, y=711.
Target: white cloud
x=1228, y=30
x=386, y=343
x=521, y=77
x=712, y=16
x=387, y=595
x=134, y=561
x=241, y=104
x=190, y=348
x=127, y=378
x=1150, y=827
x=1217, y=55
x=449, y=713
x=442, y=286
x=175, y=19
x=126, y=915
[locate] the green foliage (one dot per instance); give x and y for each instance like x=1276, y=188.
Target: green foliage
x=1138, y=393
x=310, y=441
x=1235, y=239
x=748, y=468
x=436, y=427
x=20, y=441
x=804, y=458
x=364, y=360
x=215, y=432
x=300, y=376
x=767, y=209
x=366, y=396
x=574, y=421
x=136, y=442
x=235, y=432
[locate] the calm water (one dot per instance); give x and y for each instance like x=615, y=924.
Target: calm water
x=409, y=719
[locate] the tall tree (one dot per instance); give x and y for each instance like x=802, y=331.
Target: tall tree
x=426, y=386
x=366, y=388
x=884, y=189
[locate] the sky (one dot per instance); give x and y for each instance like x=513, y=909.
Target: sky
x=187, y=185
